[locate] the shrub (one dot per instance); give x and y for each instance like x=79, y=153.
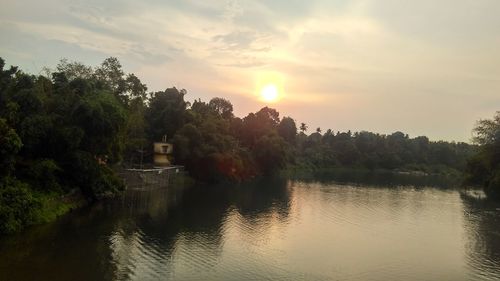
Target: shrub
x=17, y=205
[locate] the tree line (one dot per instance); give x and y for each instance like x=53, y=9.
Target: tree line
x=69, y=129
x=369, y=150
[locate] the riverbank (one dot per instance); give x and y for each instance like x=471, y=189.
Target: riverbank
x=21, y=206
x=55, y=205
x=413, y=169
x=376, y=177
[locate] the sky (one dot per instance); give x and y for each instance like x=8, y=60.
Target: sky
x=422, y=67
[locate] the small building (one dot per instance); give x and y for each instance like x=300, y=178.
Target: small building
x=162, y=153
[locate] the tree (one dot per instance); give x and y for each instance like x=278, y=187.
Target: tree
x=256, y=125
x=102, y=118
x=110, y=73
x=269, y=116
x=108, y=76
x=303, y=127
x=74, y=70
x=135, y=140
x=287, y=129
x=207, y=148
x=17, y=205
x=484, y=167
x=487, y=131
x=222, y=106
x=6, y=77
x=54, y=135
x=135, y=88
x=270, y=153
x=166, y=113
x=10, y=144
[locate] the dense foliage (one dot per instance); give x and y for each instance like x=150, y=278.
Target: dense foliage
x=56, y=134
x=484, y=167
x=375, y=151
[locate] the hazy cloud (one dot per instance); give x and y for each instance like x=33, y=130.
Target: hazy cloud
x=242, y=41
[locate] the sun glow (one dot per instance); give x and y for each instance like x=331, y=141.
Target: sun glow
x=269, y=93
x=269, y=87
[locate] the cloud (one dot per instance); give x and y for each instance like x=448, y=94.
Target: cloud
x=250, y=63
x=243, y=41
x=441, y=22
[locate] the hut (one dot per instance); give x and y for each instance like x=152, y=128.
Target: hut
x=162, y=153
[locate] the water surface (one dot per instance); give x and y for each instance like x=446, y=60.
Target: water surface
x=268, y=230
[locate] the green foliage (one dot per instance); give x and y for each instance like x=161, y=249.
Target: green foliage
x=135, y=139
x=17, y=205
x=487, y=131
x=165, y=114
x=43, y=175
x=74, y=70
x=57, y=135
x=375, y=151
x=102, y=119
x=21, y=206
x=52, y=206
x=111, y=75
x=303, y=127
x=94, y=180
x=270, y=153
x=207, y=148
x=10, y=144
x=484, y=168
x=256, y=125
x=222, y=107
x=287, y=129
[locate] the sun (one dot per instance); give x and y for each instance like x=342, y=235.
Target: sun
x=269, y=86
x=269, y=93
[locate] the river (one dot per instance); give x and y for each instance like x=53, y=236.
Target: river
x=279, y=229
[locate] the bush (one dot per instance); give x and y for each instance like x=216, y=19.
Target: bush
x=17, y=206
x=493, y=187
x=10, y=144
x=94, y=180
x=43, y=175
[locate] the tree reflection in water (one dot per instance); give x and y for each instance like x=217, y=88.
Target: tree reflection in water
x=482, y=221
x=313, y=228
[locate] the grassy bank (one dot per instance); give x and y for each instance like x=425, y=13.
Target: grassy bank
x=21, y=207
x=54, y=205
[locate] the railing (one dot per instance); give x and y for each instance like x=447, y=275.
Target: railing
x=157, y=177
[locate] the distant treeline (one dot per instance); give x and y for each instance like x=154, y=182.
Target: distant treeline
x=375, y=151
x=70, y=128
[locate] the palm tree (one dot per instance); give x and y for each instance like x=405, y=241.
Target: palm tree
x=303, y=127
